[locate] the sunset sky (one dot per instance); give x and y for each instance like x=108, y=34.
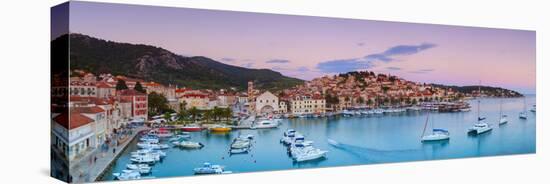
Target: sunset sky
x=308, y=47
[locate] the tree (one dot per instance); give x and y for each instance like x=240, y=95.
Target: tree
x=121, y=85
x=208, y=115
x=167, y=116
x=360, y=100
x=369, y=102
x=139, y=88
x=194, y=112
x=227, y=113
x=217, y=112
x=157, y=103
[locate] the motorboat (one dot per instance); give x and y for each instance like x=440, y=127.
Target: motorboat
x=220, y=128
x=190, y=144
x=347, y=113
x=133, y=175
x=239, y=143
x=148, y=145
x=239, y=150
x=308, y=153
x=179, y=137
x=141, y=168
x=265, y=124
x=192, y=128
x=161, y=133
x=143, y=152
x=534, y=108
x=143, y=160
x=208, y=168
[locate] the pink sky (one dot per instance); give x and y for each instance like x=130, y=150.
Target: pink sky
x=309, y=47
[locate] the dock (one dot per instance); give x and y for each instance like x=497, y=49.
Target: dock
x=86, y=170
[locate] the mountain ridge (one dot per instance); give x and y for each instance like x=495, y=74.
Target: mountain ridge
x=157, y=64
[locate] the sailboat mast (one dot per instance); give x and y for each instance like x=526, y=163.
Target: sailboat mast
x=478, y=100
x=500, y=109
x=425, y=124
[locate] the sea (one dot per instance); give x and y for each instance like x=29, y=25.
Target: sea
x=360, y=140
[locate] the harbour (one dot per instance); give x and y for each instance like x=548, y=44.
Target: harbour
x=353, y=140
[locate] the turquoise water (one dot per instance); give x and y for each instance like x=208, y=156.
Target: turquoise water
x=363, y=140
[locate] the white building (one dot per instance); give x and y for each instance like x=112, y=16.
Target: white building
x=80, y=132
x=267, y=102
x=307, y=105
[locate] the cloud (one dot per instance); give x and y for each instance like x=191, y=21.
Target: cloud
x=343, y=65
x=278, y=61
x=393, y=68
x=347, y=65
x=228, y=59
x=302, y=69
x=422, y=71
x=399, y=50
x=247, y=65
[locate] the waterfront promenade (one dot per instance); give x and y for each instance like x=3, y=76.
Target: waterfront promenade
x=91, y=167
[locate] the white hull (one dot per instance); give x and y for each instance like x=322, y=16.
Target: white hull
x=435, y=137
x=502, y=121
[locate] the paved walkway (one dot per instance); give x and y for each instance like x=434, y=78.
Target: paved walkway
x=87, y=170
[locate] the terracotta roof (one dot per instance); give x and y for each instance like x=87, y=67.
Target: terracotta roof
x=194, y=95
x=76, y=120
x=103, y=85
x=130, y=92
x=87, y=110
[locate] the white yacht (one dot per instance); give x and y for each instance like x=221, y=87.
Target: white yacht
x=134, y=175
x=264, y=124
x=190, y=144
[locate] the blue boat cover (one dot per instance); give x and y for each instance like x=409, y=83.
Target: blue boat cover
x=439, y=130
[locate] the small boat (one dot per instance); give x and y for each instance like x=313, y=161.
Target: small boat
x=141, y=168
x=523, y=114
x=534, y=108
x=239, y=150
x=148, y=145
x=190, y=145
x=192, y=128
x=208, y=168
x=161, y=133
x=436, y=135
x=310, y=154
x=265, y=124
x=132, y=175
x=503, y=119
x=143, y=160
x=239, y=143
x=179, y=137
x=481, y=126
x=220, y=128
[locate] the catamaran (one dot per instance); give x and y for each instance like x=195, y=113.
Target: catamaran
x=436, y=135
x=503, y=119
x=481, y=126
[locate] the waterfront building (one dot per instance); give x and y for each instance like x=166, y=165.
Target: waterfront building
x=267, y=103
x=197, y=100
x=138, y=100
x=83, y=88
x=99, y=117
x=305, y=104
x=80, y=132
x=283, y=107
x=105, y=90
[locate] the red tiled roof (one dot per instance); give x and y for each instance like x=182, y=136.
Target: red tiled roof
x=103, y=85
x=76, y=120
x=130, y=92
x=87, y=110
x=194, y=95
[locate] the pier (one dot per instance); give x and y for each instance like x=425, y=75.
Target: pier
x=88, y=169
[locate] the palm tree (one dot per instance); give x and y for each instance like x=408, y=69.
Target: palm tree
x=208, y=115
x=194, y=111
